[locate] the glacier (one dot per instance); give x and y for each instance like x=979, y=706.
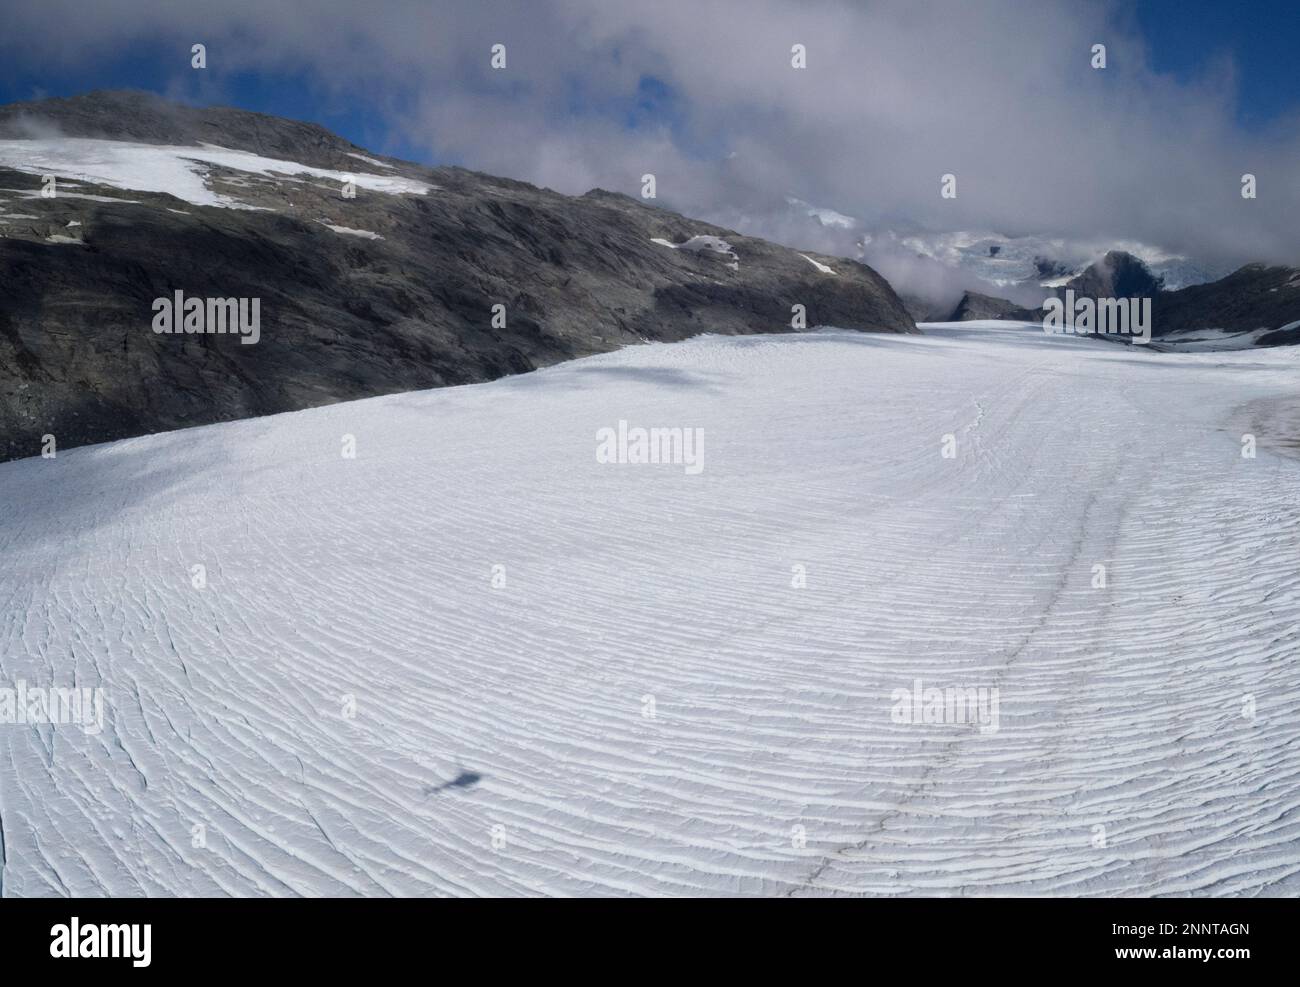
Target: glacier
x=426, y=644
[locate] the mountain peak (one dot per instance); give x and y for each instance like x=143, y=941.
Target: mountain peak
x=1118, y=274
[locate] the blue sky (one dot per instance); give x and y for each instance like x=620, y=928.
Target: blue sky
x=1184, y=37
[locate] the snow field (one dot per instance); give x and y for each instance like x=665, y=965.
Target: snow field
x=625, y=656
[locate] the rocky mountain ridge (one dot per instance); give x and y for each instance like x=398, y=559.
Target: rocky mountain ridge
x=425, y=278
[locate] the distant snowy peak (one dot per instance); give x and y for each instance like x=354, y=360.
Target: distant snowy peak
x=1048, y=262
x=979, y=261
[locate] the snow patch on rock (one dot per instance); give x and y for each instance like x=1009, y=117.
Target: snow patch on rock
x=347, y=230
x=368, y=160
x=817, y=264
x=709, y=244
x=173, y=169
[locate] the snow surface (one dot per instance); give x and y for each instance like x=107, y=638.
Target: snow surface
x=175, y=169
x=1211, y=340
x=349, y=231
x=527, y=707
x=369, y=160
x=817, y=264
x=714, y=244
x=709, y=244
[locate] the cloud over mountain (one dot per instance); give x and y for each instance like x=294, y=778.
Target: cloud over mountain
x=703, y=95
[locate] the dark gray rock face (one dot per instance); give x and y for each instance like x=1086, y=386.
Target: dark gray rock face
x=1256, y=296
x=1048, y=267
x=1117, y=275
x=974, y=306
x=342, y=316
x=925, y=309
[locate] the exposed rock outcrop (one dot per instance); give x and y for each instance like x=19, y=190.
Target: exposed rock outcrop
x=360, y=296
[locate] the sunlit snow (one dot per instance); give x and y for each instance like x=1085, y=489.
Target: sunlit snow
x=348, y=231
x=817, y=264
x=174, y=169
x=474, y=660
x=709, y=244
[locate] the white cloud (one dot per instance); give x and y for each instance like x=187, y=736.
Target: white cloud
x=896, y=94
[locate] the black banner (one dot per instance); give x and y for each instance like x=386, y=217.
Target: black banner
x=1177, y=937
